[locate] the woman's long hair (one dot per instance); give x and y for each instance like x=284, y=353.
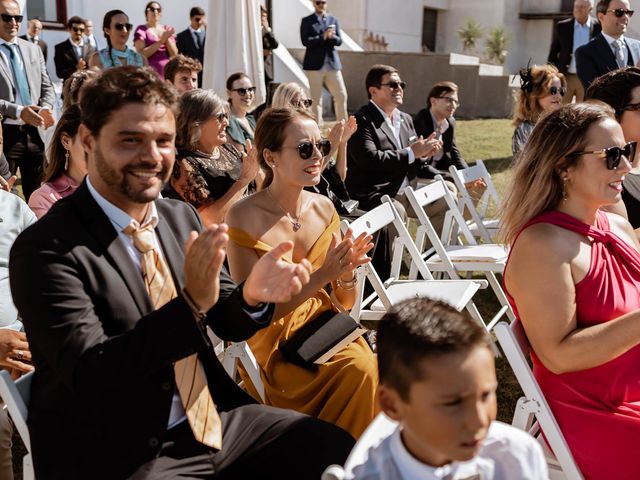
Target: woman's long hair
x=196, y=107
x=535, y=86
x=536, y=186
x=284, y=95
x=106, y=23
x=69, y=123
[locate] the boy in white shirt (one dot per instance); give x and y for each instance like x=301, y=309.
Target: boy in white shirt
x=438, y=381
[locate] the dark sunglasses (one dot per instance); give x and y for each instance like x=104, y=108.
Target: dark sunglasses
x=321, y=3
x=122, y=26
x=621, y=12
x=305, y=149
x=221, y=117
x=555, y=90
x=613, y=155
x=243, y=91
x=78, y=29
x=154, y=9
x=7, y=18
x=306, y=103
x=393, y=85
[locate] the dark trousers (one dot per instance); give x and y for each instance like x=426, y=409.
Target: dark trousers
x=257, y=442
x=24, y=150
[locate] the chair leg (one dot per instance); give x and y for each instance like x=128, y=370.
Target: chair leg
x=499, y=292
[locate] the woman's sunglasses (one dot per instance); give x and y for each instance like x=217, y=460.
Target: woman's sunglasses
x=305, y=149
x=154, y=9
x=613, y=155
x=555, y=90
x=243, y=91
x=122, y=26
x=306, y=103
x=221, y=117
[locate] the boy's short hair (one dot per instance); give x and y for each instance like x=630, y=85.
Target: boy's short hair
x=195, y=11
x=419, y=328
x=181, y=63
x=439, y=89
x=375, y=74
x=75, y=20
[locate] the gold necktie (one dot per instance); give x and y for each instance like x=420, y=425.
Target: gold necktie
x=189, y=372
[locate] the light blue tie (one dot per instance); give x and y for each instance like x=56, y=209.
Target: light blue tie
x=19, y=74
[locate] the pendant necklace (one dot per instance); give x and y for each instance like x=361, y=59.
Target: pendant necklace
x=295, y=221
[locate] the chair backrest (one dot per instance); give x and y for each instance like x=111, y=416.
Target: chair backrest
x=16, y=396
x=514, y=343
x=379, y=429
x=478, y=212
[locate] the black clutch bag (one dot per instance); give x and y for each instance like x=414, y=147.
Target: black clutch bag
x=319, y=339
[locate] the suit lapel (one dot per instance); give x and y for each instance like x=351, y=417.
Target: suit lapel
x=173, y=252
x=6, y=69
x=100, y=227
x=383, y=125
x=605, y=53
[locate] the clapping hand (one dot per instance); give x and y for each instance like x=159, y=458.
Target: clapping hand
x=273, y=280
x=344, y=256
x=7, y=185
x=167, y=34
x=349, y=129
x=250, y=164
x=426, y=147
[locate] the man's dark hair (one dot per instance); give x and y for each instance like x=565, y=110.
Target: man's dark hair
x=375, y=74
x=75, y=20
x=181, y=63
x=439, y=89
x=196, y=11
x=603, y=6
x=419, y=328
x=117, y=87
x=614, y=88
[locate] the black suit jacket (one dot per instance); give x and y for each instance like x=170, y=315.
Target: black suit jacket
x=66, y=58
x=312, y=37
x=377, y=164
x=451, y=155
x=104, y=380
x=42, y=44
x=596, y=58
x=187, y=46
x=561, y=49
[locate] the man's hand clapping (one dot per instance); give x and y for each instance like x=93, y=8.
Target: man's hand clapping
x=428, y=147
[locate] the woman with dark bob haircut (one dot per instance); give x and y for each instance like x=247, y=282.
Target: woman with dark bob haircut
x=573, y=280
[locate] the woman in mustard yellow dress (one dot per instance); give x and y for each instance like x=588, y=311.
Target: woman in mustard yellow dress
x=342, y=390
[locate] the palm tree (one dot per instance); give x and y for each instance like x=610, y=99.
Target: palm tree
x=470, y=33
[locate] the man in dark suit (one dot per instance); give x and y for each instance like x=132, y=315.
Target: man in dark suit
x=610, y=49
x=569, y=35
x=320, y=34
x=34, y=30
x=190, y=42
x=105, y=400
x=442, y=103
x=26, y=99
x=74, y=53
x=383, y=154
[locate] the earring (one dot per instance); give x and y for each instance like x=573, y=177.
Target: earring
x=66, y=161
x=564, y=189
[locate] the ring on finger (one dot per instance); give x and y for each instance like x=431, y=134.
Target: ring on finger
x=20, y=354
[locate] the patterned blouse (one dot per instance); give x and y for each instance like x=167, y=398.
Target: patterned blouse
x=118, y=58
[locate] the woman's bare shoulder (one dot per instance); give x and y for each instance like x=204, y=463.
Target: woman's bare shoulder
x=247, y=212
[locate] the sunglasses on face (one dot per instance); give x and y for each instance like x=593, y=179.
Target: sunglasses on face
x=122, y=26
x=621, y=12
x=393, y=85
x=221, y=117
x=321, y=3
x=613, y=155
x=305, y=149
x=306, y=103
x=243, y=91
x=555, y=90
x=154, y=9
x=78, y=29
x=7, y=18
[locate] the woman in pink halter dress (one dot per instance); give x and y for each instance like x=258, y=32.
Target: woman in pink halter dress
x=573, y=279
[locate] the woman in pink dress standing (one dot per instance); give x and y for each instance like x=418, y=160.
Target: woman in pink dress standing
x=154, y=41
x=573, y=278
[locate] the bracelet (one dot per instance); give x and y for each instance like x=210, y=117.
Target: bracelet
x=195, y=310
x=347, y=284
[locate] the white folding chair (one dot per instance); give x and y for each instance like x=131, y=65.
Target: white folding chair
x=480, y=224
x=379, y=429
x=457, y=293
x=486, y=258
x=238, y=352
x=16, y=398
x=532, y=413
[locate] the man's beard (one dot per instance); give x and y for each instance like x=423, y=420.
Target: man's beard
x=118, y=180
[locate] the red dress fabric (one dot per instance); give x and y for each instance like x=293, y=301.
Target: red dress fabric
x=598, y=409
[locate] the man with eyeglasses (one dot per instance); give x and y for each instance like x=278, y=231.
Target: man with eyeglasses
x=442, y=103
x=320, y=34
x=190, y=41
x=26, y=98
x=74, y=53
x=610, y=49
x=34, y=29
x=568, y=36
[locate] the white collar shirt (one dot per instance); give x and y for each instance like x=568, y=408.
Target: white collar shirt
x=610, y=40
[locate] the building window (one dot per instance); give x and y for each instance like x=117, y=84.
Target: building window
x=429, y=24
x=52, y=13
